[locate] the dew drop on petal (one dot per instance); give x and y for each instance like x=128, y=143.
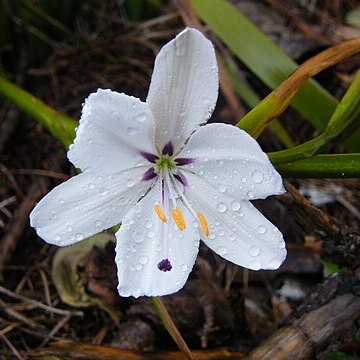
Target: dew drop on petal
x=254, y=250
x=250, y=194
x=141, y=117
x=221, y=207
x=98, y=223
x=274, y=263
x=103, y=191
x=130, y=183
x=138, y=237
x=184, y=267
x=255, y=265
x=57, y=238
x=138, y=267
x=151, y=234
x=69, y=228
x=53, y=217
x=235, y=205
x=222, y=188
x=79, y=237
x=221, y=251
x=257, y=176
x=262, y=229
x=143, y=260
x=148, y=224
x=91, y=186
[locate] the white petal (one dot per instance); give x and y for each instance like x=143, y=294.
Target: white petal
x=184, y=87
x=232, y=161
x=87, y=204
x=237, y=230
x=141, y=245
x=113, y=129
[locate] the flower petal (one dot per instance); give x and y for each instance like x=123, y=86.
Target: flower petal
x=184, y=87
x=237, y=230
x=87, y=204
x=114, y=128
x=141, y=246
x=232, y=161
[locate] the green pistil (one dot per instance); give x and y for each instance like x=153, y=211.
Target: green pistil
x=165, y=162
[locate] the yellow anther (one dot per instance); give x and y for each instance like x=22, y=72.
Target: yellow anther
x=160, y=213
x=203, y=223
x=178, y=218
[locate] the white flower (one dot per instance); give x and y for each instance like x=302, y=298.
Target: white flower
x=145, y=167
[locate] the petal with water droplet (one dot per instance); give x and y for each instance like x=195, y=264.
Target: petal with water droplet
x=184, y=87
x=160, y=241
x=74, y=211
x=232, y=161
x=110, y=136
x=240, y=234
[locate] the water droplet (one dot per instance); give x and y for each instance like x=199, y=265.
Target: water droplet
x=103, y=192
x=235, y=205
x=69, y=228
x=53, y=217
x=222, y=188
x=250, y=194
x=262, y=229
x=138, y=237
x=76, y=208
x=148, y=224
x=184, y=267
x=141, y=117
x=98, y=223
x=138, y=267
x=243, y=180
x=57, y=238
x=221, y=251
x=91, y=186
x=281, y=244
x=221, y=207
x=274, y=263
x=255, y=265
x=221, y=232
x=143, y=260
x=79, y=237
x=257, y=176
x=61, y=201
x=254, y=250
x=130, y=183
x=151, y=234
x=131, y=131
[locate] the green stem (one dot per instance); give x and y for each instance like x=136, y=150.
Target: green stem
x=323, y=166
x=60, y=126
x=170, y=327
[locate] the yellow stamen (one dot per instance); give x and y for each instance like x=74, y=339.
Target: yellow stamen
x=178, y=218
x=160, y=213
x=203, y=223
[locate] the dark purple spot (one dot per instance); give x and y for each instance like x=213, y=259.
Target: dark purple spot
x=181, y=178
x=149, y=174
x=149, y=157
x=164, y=265
x=168, y=149
x=184, y=161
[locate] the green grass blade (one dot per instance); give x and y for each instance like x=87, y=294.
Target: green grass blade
x=344, y=121
x=266, y=60
x=59, y=125
x=323, y=166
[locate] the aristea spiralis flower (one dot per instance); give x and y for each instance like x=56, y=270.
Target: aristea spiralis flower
x=170, y=181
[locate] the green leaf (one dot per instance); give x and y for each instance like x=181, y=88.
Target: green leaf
x=323, y=166
x=59, y=125
x=353, y=17
x=266, y=60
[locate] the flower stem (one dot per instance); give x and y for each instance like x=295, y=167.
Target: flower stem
x=170, y=327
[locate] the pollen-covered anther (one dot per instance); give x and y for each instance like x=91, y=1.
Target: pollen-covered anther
x=160, y=213
x=178, y=218
x=203, y=223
